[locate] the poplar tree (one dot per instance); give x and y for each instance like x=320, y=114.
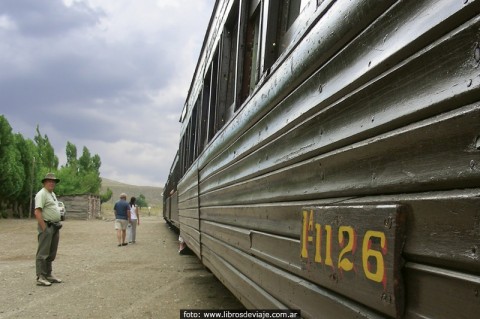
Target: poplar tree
x=12, y=174
x=47, y=160
x=27, y=150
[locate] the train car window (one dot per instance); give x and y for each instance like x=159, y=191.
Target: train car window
x=232, y=29
x=213, y=96
x=188, y=143
x=292, y=8
x=182, y=149
x=227, y=69
x=208, y=111
x=202, y=102
x=289, y=21
x=271, y=13
x=255, y=66
x=193, y=136
x=187, y=146
x=251, y=65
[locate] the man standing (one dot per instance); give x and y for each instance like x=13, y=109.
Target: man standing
x=122, y=218
x=48, y=218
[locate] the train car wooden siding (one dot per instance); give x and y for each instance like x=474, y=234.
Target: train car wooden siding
x=329, y=157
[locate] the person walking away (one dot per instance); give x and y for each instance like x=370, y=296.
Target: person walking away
x=134, y=221
x=122, y=218
x=47, y=214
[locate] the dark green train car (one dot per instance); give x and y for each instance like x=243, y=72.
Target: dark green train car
x=329, y=158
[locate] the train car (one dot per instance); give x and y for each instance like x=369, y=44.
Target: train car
x=329, y=157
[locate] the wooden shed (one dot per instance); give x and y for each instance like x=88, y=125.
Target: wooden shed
x=84, y=207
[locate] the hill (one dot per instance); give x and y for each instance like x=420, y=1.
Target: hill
x=153, y=195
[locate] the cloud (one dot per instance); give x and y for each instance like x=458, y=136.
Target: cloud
x=111, y=75
x=39, y=19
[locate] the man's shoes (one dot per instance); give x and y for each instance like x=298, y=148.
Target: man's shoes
x=42, y=281
x=52, y=279
x=124, y=244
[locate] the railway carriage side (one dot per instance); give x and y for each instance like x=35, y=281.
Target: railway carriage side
x=329, y=157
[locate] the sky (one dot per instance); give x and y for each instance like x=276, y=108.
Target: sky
x=108, y=75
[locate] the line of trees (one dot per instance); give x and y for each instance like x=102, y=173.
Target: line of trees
x=24, y=163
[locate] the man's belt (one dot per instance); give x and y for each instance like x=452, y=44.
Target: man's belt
x=57, y=225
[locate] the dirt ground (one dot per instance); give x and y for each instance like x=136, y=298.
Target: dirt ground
x=101, y=280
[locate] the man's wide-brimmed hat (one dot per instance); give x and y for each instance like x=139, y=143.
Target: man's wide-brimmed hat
x=50, y=176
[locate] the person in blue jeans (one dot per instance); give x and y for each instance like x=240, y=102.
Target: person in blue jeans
x=134, y=221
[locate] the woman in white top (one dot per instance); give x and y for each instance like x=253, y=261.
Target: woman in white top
x=134, y=221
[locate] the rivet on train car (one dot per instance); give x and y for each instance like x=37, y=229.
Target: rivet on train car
x=477, y=53
x=469, y=84
x=388, y=222
x=320, y=88
x=373, y=118
x=369, y=63
x=472, y=164
x=386, y=298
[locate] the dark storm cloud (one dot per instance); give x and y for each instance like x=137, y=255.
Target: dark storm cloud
x=73, y=77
